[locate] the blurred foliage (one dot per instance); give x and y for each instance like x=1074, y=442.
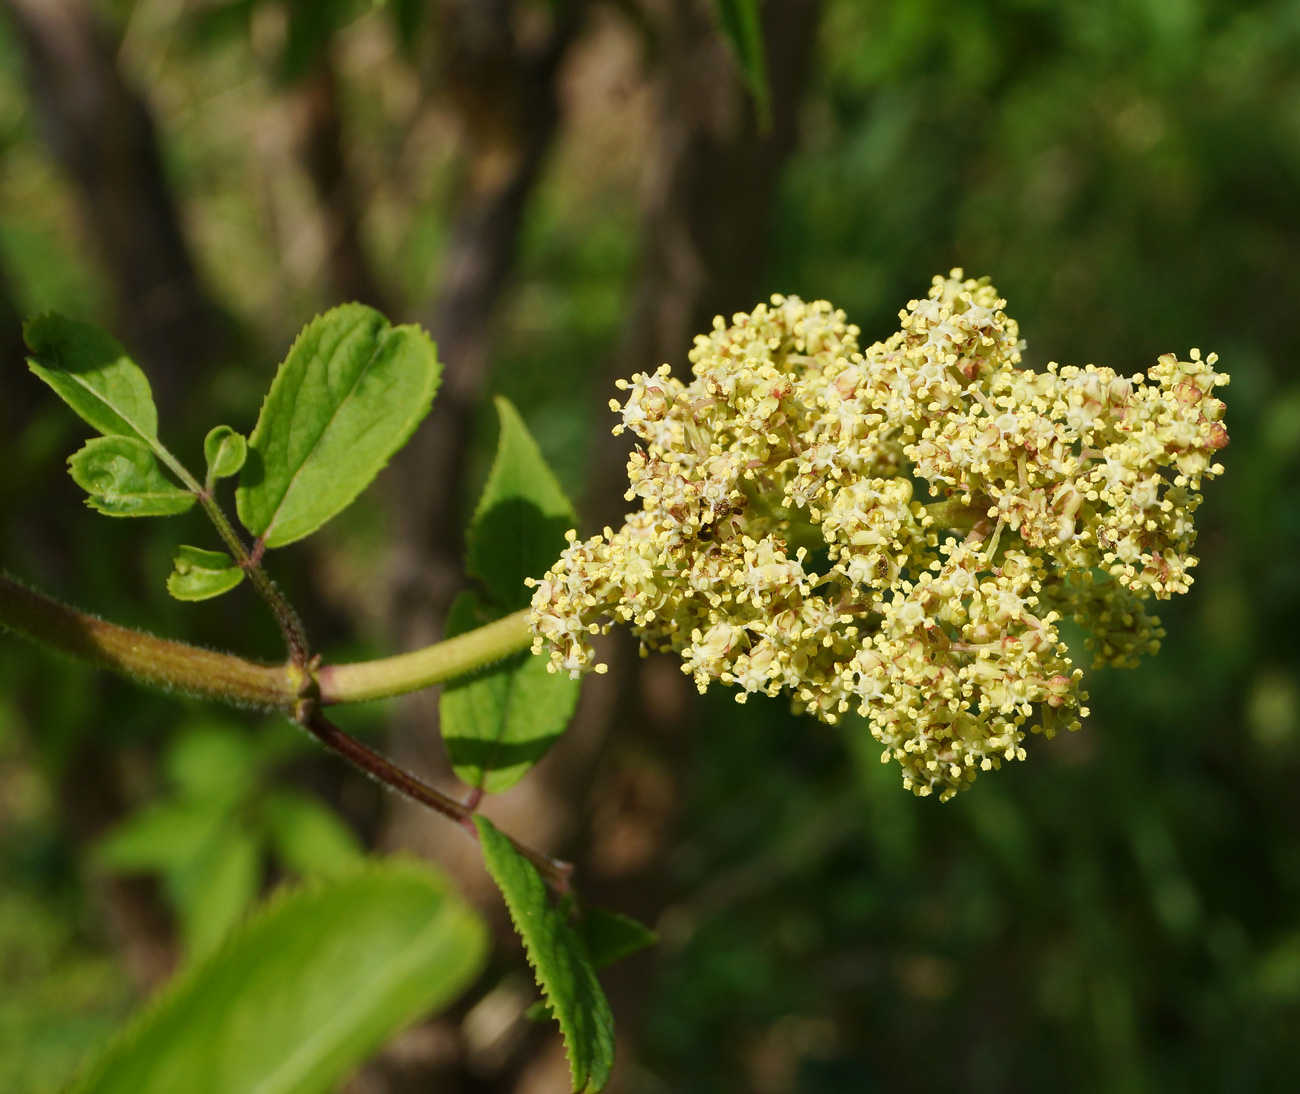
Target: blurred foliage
x=221, y=817
x=1119, y=913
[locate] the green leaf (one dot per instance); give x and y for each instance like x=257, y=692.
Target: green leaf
x=519, y=525
x=499, y=721
x=213, y=760
x=610, y=937
x=161, y=838
x=124, y=480
x=304, y=991
x=347, y=397
x=200, y=575
x=742, y=30
x=309, y=838
x=225, y=450
x=91, y=372
x=607, y=937
x=216, y=889
x=563, y=971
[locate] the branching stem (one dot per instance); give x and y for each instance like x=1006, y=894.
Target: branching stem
x=366, y=759
x=297, y=688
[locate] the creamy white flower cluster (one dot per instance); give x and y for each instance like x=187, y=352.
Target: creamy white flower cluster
x=778, y=545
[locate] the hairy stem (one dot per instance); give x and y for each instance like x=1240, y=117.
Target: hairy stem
x=290, y=688
x=158, y=662
x=251, y=563
x=444, y=660
x=290, y=625
x=385, y=771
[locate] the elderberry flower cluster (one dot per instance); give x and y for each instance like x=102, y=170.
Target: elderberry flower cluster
x=779, y=546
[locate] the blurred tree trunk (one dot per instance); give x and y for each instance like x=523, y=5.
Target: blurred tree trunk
x=324, y=157
x=101, y=132
x=502, y=84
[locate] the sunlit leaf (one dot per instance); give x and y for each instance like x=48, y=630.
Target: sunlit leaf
x=519, y=525
x=559, y=959
x=346, y=398
x=498, y=722
x=200, y=575
x=225, y=451
x=123, y=479
x=91, y=372
x=304, y=991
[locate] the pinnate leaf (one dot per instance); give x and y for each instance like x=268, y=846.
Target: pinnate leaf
x=92, y=373
x=499, y=721
x=123, y=479
x=559, y=959
x=225, y=450
x=304, y=991
x=346, y=398
x=519, y=525
x=200, y=575
x=742, y=30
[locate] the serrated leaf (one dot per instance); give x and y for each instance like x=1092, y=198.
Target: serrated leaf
x=742, y=30
x=304, y=991
x=123, y=479
x=309, y=838
x=225, y=452
x=610, y=937
x=563, y=971
x=200, y=575
x=499, y=721
x=519, y=525
x=607, y=937
x=346, y=398
x=91, y=372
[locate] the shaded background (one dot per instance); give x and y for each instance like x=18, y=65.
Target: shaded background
x=564, y=191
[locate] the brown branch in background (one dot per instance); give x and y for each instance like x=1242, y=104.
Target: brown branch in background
x=350, y=272
x=101, y=132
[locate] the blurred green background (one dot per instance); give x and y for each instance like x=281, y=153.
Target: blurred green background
x=1121, y=912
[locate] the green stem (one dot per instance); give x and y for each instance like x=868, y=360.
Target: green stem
x=142, y=657
x=290, y=688
x=164, y=663
x=444, y=660
x=366, y=759
x=290, y=625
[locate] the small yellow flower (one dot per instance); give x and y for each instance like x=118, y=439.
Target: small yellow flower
x=778, y=545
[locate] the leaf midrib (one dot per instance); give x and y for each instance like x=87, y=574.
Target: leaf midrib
x=380, y=341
